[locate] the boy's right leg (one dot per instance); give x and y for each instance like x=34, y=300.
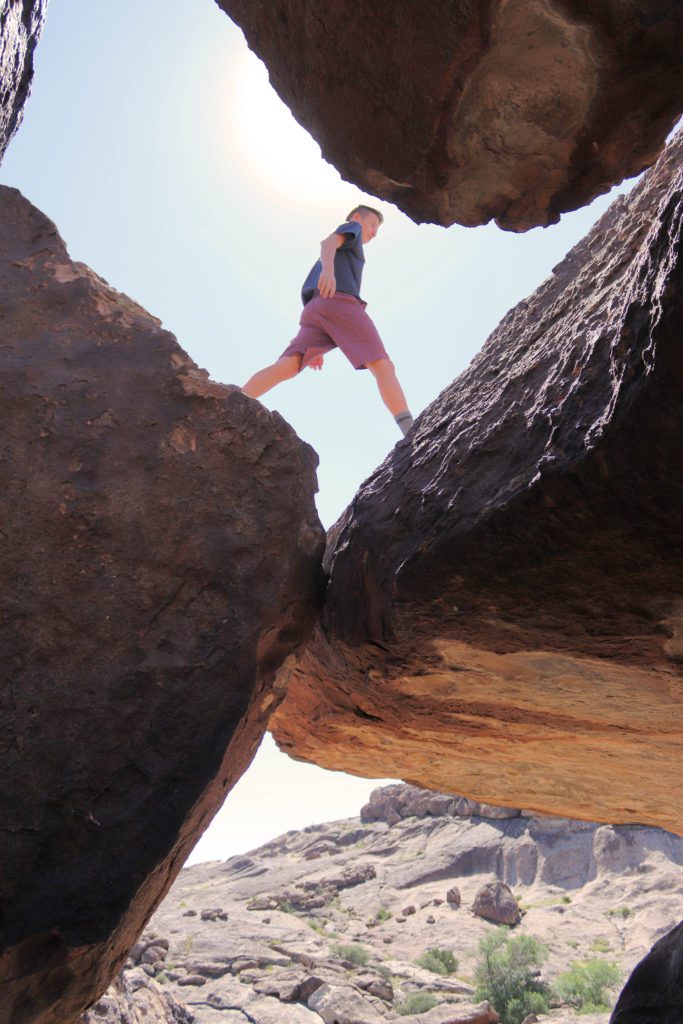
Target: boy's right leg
x=283, y=369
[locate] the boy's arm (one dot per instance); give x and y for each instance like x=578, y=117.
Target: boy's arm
x=327, y=285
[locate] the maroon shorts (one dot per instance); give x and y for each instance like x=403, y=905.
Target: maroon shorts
x=339, y=322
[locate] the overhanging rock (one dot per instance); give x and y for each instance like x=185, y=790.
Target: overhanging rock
x=504, y=615
x=513, y=110
x=160, y=557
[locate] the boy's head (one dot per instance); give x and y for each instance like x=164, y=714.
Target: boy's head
x=369, y=219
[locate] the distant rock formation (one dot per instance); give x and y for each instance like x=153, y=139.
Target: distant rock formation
x=516, y=110
x=160, y=559
x=504, y=614
x=338, y=917
x=21, y=22
x=391, y=803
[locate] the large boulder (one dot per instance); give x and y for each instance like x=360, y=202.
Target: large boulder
x=495, y=902
x=160, y=559
x=21, y=22
x=504, y=613
x=457, y=111
x=343, y=1004
x=654, y=992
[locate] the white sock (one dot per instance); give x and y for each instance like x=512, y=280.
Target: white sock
x=405, y=421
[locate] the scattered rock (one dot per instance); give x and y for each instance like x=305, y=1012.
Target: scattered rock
x=495, y=902
x=192, y=979
x=453, y=896
x=214, y=915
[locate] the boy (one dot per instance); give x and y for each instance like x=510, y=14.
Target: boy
x=334, y=317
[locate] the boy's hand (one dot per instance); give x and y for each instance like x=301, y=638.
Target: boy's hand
x=327, y=285
x=316, y=363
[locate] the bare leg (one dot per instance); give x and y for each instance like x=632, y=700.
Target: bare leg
x=274, y=374
x=389, y=388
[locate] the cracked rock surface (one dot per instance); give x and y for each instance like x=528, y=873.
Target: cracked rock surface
x=21, y=22
x=513, y=110
x=504, y=613
x=160, y=559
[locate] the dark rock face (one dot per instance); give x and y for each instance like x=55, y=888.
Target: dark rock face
x=654, y=992
x=21, y=22
x=461, y=111
x=160, y=558
x=505, y=611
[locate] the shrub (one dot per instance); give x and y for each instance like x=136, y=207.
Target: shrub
x=507, y=975
x=585, y=985
x=620, y=912
x=417, y=1002
x=285, y=906
x=600, y=946
x=439, y=961
x=354, y=953
x=382, y=915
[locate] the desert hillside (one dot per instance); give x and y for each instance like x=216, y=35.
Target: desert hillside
x=251, y=939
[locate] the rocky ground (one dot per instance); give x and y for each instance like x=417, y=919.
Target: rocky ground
x=258, y=938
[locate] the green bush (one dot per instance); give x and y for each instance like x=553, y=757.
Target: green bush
x=507, y=975
x=585, y=985
x=600, y=946
x=439, y=961
x=417, y=1002
x=355, y=954
x=620, y=912
x=382, y=915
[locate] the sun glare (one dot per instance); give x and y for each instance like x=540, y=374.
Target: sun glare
x=272, y=147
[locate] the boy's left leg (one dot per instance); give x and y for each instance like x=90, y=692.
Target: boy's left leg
x=391, y=392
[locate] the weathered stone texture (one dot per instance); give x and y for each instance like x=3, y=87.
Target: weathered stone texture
x=516, y=110
x=134, y=999
x=504, y=615
x=160, y=557
x=654, y=992
x=21, y=22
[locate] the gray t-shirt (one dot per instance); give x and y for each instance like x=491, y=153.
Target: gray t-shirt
x=348, y=264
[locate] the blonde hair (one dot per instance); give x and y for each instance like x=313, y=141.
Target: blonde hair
x=364, y=211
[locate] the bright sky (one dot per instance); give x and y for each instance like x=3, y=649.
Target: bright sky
x=155, y=143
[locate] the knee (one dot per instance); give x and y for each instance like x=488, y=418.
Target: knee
x=381, y=366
